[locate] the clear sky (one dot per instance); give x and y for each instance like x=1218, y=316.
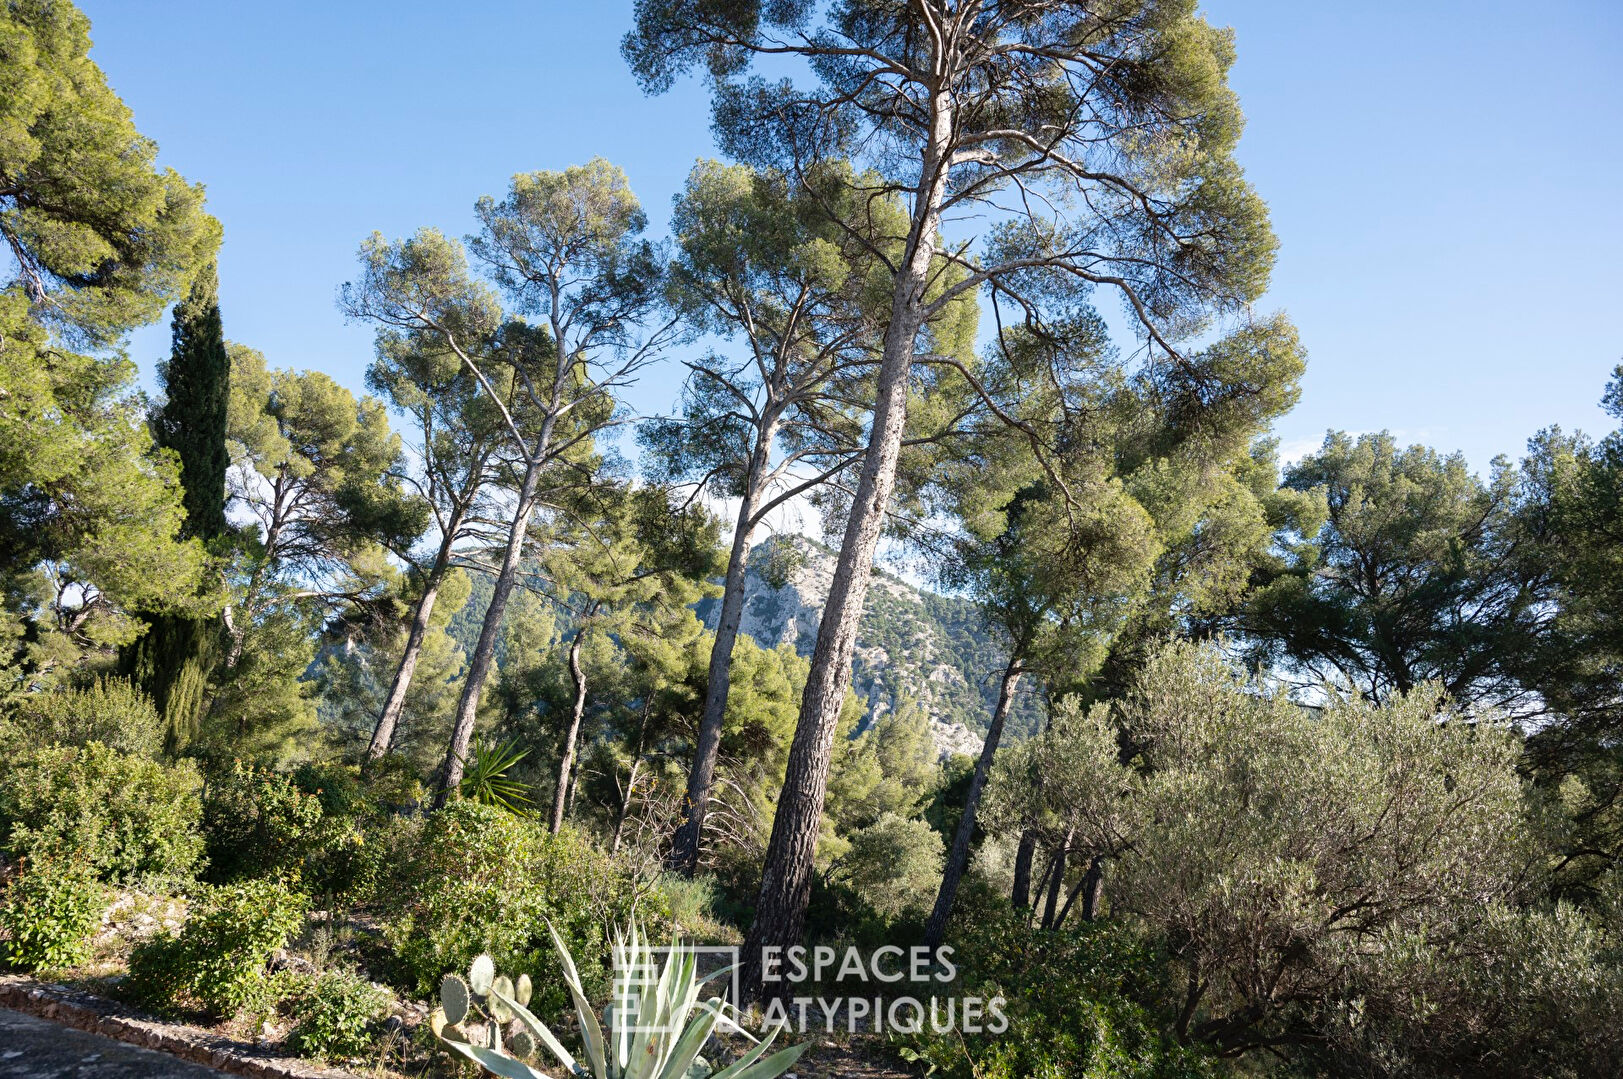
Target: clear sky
x=1444, y=176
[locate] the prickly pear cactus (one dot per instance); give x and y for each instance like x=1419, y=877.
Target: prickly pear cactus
x=501, y=986
x=521, y=992
x=481, y=974
x=455, y=998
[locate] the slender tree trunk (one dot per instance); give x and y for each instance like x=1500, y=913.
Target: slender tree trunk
x=689, y=839
x=625, y=806
x=484, y=653
x=1090, y=887
x=631, y=779
x=1093, y=891
x=560, y=796
x=958, y=858
x=1023, y=856
x=1056, y=881
x=786, y=875
x=395, y=703
x=1042, y=886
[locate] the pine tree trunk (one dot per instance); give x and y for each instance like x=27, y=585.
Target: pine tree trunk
x=689, y=839
x=395, y=703
x=484, y=653
x=565, y=789
x=958, y=858
x=1023, y=856
x=786, y=875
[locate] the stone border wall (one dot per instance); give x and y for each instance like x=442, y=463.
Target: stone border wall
x=82, y=1011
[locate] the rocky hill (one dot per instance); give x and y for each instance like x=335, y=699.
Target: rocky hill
x=912, y=644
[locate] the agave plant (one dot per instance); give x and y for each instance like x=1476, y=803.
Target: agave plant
x=656, y=1032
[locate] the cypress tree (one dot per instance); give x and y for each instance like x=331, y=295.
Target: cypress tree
x=172, y=661
x=196, y=383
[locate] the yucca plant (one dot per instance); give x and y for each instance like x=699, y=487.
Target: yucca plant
x=486, y=777
x=656, y=1033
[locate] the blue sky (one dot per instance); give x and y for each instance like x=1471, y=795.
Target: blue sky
x=1443, y=176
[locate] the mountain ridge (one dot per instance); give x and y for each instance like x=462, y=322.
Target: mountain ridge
x=913, y=645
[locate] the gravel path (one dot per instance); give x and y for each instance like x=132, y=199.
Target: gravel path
x=33, y=1048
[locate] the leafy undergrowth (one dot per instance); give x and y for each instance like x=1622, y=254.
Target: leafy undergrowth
x=397, y=1040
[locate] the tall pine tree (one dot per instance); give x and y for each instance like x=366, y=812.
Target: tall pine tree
x=173, y=660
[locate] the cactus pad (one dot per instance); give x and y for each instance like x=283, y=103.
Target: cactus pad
x=521, y=992
x=503, y=985
x=454, y=998
x=480, y=975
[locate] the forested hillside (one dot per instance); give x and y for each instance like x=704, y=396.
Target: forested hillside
x=914, y=647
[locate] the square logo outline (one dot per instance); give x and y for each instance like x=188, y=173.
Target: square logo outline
x=661, y=953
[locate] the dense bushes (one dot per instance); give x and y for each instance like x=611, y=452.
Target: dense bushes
x=216, y=963
x=48, y=914
x=1360, y=881
x=307, y=826
x=334, y=1015
x=1079, y=1002
x=258, y=824
x=127, y=816
x=479, y=879
x=894, y=864
x=109, y=711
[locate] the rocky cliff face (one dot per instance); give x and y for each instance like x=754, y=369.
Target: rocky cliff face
x=912, y=645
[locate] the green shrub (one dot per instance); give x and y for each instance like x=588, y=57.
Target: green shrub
x=894, y=864
x=1079, y=1001
x=479, y=879
x=109, y=711
x=49, y=913
x=259, y=823
x=127, y=816
x=309, y=825
x=691, y=903
x=216, y=963
x=334, y=1016
x=392, y=783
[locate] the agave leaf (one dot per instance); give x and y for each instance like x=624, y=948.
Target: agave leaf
x=739, y=1068
x=770, y=1068
x=496, y=1062
x=728, y=969
x=687, y=1047
x=539, y=1029
x=591, y=1033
